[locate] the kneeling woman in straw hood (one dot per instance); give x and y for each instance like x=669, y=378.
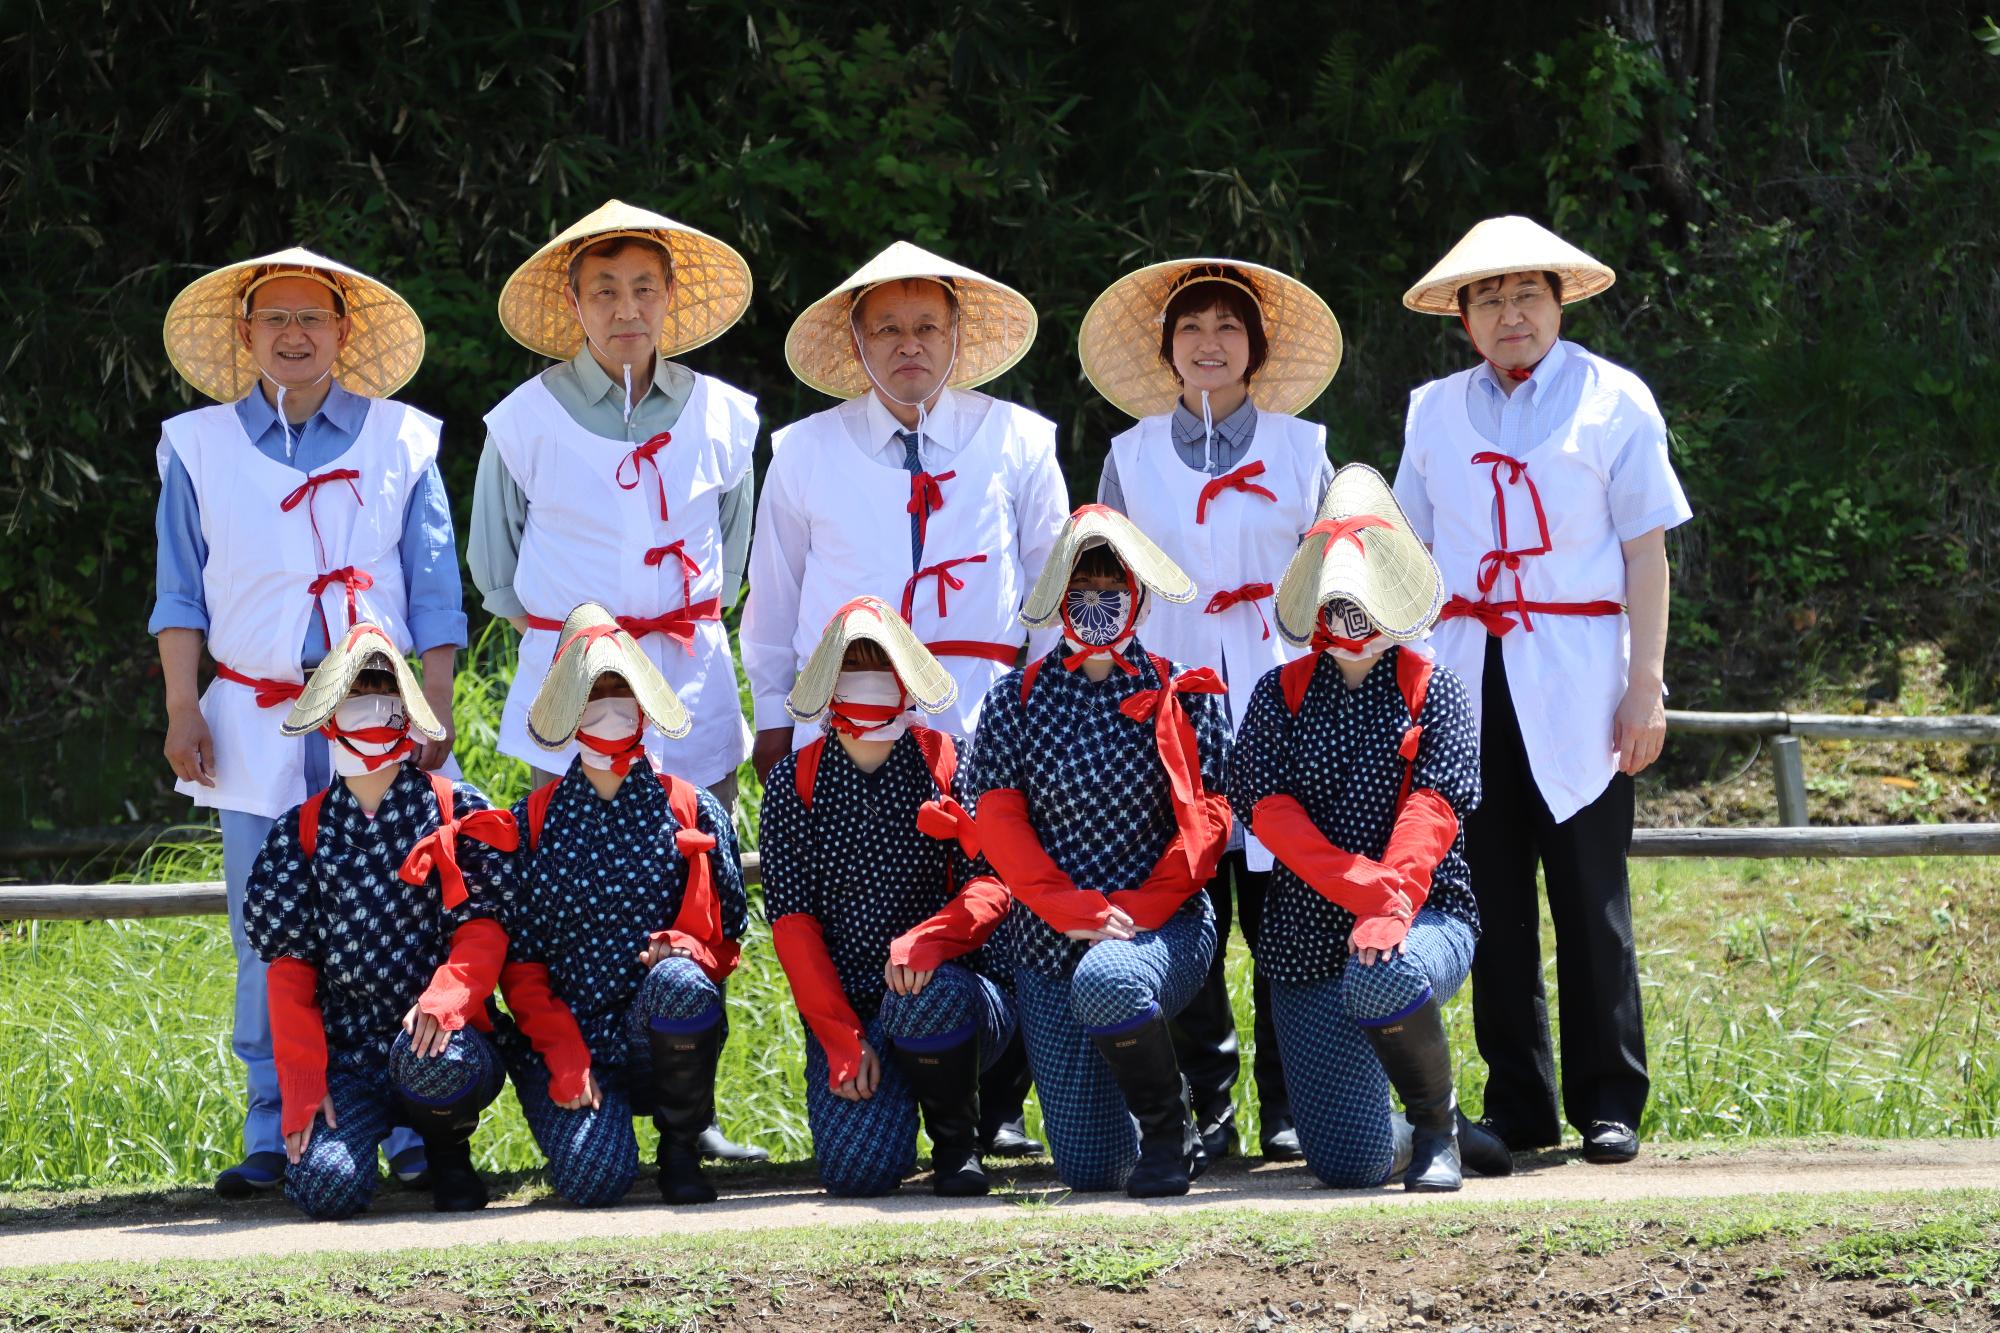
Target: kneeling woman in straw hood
x=373, y=903
x=620, y=477
x=305, y=502
x=1229, y=486
x=1541, y=480
x=1098, y=773
x=879, y=904
x=625, y=917
x=1355, y=765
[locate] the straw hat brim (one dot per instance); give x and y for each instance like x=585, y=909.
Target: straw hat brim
x=1097, y=525
x=359, y=649
x=1504, y=245
x=1119, y=342
x=996, y=324
x=924, y=678
x=711, y=284
x=1393, y=577
x=558, y=707
x=385, y=339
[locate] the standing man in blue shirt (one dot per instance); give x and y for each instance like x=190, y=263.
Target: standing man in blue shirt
x=304, y=502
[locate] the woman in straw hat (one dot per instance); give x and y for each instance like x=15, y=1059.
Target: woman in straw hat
x=625, y=917
x=879, y=904
x=619, y=476
x=373, y=904
x=1097, y=774
x=1541, y=480
x=1230, y=485
x=305, y=501
x=1355, y=765
x=911, y=448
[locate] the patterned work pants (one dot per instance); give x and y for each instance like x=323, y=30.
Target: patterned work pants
x=1091, y=1134
x=866, y=1148
x=336, y=1175
x=593, y=1153
x=1340, y=1096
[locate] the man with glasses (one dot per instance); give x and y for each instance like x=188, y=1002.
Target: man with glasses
x=1542, y=481
x=305, y=501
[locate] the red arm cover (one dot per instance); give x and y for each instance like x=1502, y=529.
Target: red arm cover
x=801, y=945
x=1426, y=827
x=550, y=1026
x=458, y=990
x=1364, y=887
x=957, y=928
x=298, y=1040
x=1177, y=875
x=1014, y=849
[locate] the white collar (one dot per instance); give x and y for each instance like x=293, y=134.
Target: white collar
x=940, y=427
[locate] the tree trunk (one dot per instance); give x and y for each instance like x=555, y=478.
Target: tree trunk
x=1685, y=36
x=627, y=85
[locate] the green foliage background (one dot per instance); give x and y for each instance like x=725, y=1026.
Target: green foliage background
x=1823, y=340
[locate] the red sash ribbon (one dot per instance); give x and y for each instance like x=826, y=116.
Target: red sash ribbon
x=643, y=455
x=1241, y=479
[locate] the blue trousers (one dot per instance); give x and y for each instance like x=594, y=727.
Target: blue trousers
x=593, y=1153
x=336, y=1174
x=1340, y=1096
x=866, y=1148
x=1117, y=983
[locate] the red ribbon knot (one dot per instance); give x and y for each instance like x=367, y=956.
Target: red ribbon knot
x=1239, y=480
x=643, y=455
x=1251, y=593
x=438, y=850
x=689, y=568
x=941, y=571
x=926, y=498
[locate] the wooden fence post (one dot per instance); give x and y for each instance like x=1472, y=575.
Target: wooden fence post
x=1791, y=774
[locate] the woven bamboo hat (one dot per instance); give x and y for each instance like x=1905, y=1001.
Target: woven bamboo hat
x=1378, y=563
x=1119, y=342
x=362, y=648
x=924, y=678
x=558, y=705
x=1507, y=245
x=711, y=284
x=1099, y=525
x=385, y=340
x=996, y=325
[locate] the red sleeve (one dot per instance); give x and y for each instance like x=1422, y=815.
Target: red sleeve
x=550, y=1026
x=1426, y=827
x=801, y=945
x=1015, y=850
x=458, y=990
x=1172, y=882
x=298, y=1040
x=1364, y=887
x=959, y=927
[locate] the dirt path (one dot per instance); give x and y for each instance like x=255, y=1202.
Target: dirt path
x=181, y=1227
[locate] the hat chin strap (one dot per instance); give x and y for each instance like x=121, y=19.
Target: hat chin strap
x=1514, y=373
x=284, y=424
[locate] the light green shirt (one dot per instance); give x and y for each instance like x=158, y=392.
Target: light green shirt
x=595, y=402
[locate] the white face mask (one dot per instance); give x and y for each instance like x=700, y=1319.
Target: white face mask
x=366, y=713
x=610, y=721
x=862, y=698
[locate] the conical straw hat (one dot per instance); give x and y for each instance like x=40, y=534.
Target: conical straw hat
x=362, y=648
x=1384, y=570
x=1099, y=525
x=996, y=325
x=1507, y=245
x=1119, y=342
x=559, y=703
x=711, y=284
x=385, y=341
x=924, y=678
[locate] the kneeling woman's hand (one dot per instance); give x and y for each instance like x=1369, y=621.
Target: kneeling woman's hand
x=862, y=1086
x=590, y=1096
x=1117, y=926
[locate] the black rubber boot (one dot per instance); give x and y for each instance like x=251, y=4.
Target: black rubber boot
x=1482, y=1150
x=946, y=1083
x=1417, y=1059
x=1142, y=1060
x=683, y=1107
x=447, y=1135
x=1003, y=1089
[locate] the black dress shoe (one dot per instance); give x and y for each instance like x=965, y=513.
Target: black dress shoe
x=1218, y=1136
x=1010, y=1138
x=259, y=1173
x=1609, y=1142
x=1482, y=1150
x=719, y=1147
x=1281, y=1143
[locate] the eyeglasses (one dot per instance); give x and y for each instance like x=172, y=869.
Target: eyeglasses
x=1524, y=299
x=274, y=320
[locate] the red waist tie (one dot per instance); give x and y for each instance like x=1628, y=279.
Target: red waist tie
x=308, y=492
x=1505, y=557
x=1251, y=593
x=348, y=577
x=270, y=693
x=677, y=625
x=1493, y=615
x=689, y=568
x=941, y=571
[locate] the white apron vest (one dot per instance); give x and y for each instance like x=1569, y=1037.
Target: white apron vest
x=1245, y=539
x=262, y=561
x=593, y=520
x=1565, y=673
x=860, y=545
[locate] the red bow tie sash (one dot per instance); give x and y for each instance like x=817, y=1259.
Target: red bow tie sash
x=348, y=577
x=270, y=693
x=677, y=625
x=947, y=580
x=438, y=849
x=307, y=493
x=1242, y=479
x=644, y=456
x=1173, y=733
x=926, y=498
x=1249, y=594
x=1507, y=559
x=677, y=549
